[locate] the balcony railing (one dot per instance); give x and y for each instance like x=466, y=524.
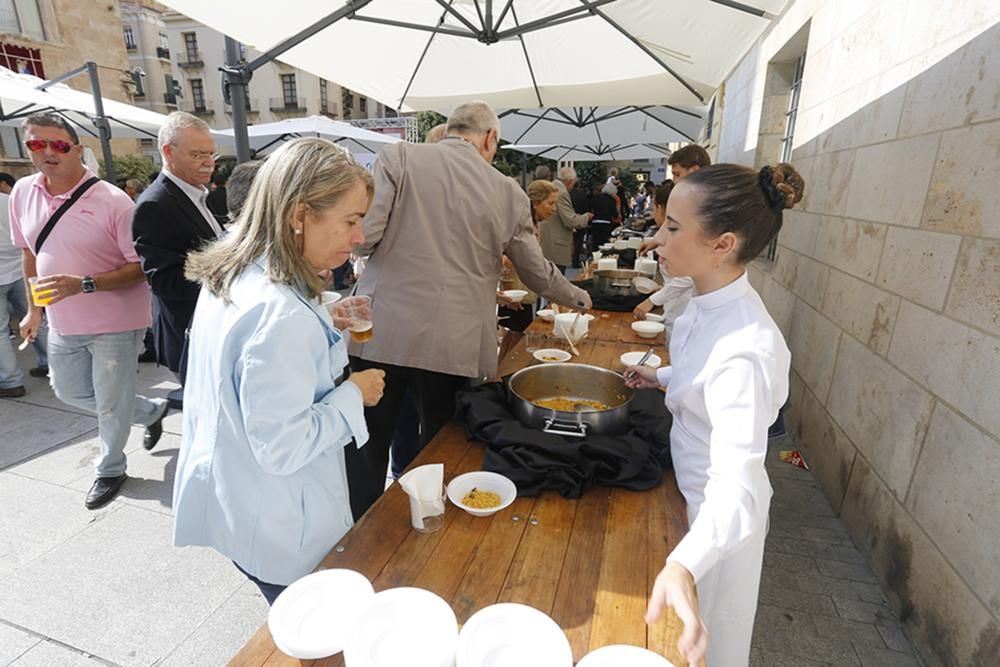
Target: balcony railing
x=331, y=109
x=280, y=104
x=170, y=98
x=162, y=53
x=251, y=107
x=203, y=110
x=190, y=59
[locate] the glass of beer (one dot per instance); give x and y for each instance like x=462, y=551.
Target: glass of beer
x=40, y=296
x=358, y=311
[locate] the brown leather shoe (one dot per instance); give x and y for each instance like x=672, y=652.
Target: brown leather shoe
x=13, y=392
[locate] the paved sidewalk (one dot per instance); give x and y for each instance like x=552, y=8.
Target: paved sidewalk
x=107, y=588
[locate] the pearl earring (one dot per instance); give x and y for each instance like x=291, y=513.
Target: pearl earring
x=298, y=232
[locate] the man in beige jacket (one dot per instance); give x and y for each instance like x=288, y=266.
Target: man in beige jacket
x=557, y=231
x=441, y=221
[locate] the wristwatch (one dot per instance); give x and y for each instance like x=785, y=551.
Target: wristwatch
x=88, y=285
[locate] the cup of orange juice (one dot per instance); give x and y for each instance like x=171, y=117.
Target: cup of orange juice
x=40, y=296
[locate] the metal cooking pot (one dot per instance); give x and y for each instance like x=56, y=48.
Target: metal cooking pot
x=573, y=382
x=615, y=282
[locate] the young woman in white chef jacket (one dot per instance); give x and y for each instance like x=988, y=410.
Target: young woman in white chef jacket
x=729, y=376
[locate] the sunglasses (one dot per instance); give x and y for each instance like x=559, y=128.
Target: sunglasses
x=58, y=145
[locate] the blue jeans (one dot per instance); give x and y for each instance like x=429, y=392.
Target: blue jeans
x=97, y=373
x=269, y=591
x=14, y=302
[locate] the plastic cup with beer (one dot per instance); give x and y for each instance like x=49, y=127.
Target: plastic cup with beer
x=357, y=310
x=40, y=295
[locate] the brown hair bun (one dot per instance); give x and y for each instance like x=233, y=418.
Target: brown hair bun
x=782, y=185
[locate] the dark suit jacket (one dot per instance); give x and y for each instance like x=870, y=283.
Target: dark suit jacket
x=167, y=226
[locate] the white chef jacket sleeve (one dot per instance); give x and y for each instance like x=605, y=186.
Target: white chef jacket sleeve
x=738, y=403
x=286, y=424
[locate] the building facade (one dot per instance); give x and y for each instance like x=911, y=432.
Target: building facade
x=277, y=91
x=48, y=38
x=886, y=284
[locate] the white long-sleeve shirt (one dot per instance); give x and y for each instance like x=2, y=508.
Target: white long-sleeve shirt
x=729, y=376
x=673, y=297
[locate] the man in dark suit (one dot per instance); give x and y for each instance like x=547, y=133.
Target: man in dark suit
x=172, y=219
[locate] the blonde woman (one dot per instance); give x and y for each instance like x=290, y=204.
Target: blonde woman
x=269, y=407
x=516, y=317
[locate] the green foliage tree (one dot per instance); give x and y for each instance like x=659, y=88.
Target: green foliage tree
x=590, y=173
x=131, y=165
x=425, y=121
x=629, y=182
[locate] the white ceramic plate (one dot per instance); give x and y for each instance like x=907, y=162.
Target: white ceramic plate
x=403, y=626
x=485, y=481
x=512, y=635
x=312, y=618
x=644, y=285
x=551, y=354
x=622, y=655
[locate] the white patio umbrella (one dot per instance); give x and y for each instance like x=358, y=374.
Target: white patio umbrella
x=435, y=54
x=265, y=136
x=601, y=125
x=594, y=153
x=20, y=97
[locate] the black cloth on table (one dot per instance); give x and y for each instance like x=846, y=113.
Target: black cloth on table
x=615, y=304
x=537, y=461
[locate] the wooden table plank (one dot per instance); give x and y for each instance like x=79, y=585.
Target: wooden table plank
x=665, y=530
x=573, y=609
x=257, y=650
x=620, y=604
x=534, y=573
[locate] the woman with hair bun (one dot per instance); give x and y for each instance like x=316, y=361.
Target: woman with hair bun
x=728, y=379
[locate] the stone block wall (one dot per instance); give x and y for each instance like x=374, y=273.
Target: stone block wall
x=886, y=284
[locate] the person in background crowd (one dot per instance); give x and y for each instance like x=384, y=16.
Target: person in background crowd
x=515, y=317
x=171, y=220
x=97, y=302
x=727, y=379
x=13, y=302
x=435, y=254
x=543, y=173
x=238, y=187
x=557, y=231
x=581, y=204
x=436, y=133
x=133, y=188
x=271, y=408
x=606, y=216
x=688, y=159
x=216, y=199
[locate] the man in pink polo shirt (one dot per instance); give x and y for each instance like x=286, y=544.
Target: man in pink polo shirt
x=99, y=304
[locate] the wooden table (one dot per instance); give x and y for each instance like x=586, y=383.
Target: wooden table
x=588, y=563
x=606, y=327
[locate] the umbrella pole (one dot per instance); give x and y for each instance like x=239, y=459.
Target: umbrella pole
x=524, y=171
x=236, y=76
x=103, y=127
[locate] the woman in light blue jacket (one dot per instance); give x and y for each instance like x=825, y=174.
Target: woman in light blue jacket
x=268, y=406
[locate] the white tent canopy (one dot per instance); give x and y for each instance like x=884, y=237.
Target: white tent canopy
x=594, y=126
x=20, y=97
x=265, y=136
x=435, y=54
x=594, y=153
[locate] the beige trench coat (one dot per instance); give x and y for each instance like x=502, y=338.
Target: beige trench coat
x=557, y=231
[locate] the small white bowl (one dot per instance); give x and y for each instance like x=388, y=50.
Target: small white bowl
x=632, y=358
x=550, y=355
x=654, y=317
x=547, y=315
x=644, y=285
x=515, y=295
x=647, y=329
x=484, y=481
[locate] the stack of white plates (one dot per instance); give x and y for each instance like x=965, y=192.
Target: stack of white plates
x=622, y=655
x=512, y=635
x=403, y=626
x=313, y=617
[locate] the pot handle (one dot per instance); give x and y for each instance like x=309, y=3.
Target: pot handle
x=574, y=429
x=615, y=283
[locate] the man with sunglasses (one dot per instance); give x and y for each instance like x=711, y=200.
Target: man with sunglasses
x=97, y=303
x=171, y=219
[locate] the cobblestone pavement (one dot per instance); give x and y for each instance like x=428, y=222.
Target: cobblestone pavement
x=820, y=603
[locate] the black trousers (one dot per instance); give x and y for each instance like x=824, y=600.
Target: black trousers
x=434, y=398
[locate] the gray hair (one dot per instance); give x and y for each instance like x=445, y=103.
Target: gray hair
x=567, y=174
x=542, y=171
x=476, y=117
x=177, y=121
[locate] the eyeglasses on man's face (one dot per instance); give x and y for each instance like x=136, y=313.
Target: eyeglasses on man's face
x=204, y=156
x=58, y=145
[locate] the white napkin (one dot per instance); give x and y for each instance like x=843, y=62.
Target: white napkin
x=425, y=485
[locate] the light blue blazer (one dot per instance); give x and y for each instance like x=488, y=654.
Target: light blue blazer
x=261, y=476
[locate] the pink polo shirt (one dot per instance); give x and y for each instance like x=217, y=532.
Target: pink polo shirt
x=94, y=236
